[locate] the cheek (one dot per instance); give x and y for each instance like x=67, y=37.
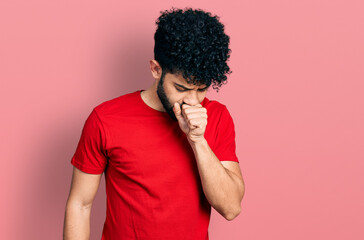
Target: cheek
x=174, y=96
x=201, y=96
x=177, y=97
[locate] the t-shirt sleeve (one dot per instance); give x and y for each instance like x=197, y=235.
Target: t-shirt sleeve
x=225, y=146
x=90, y=154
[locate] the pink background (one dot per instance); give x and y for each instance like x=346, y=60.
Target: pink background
x=295, y=94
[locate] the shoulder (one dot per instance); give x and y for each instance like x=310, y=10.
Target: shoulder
x=214, y=108
x=117, y=105
x=218, y=114
x=219, y=121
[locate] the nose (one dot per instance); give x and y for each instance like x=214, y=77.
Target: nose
x=191, y=98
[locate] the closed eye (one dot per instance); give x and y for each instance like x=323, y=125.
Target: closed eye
x=179, y=89
x=202, y=89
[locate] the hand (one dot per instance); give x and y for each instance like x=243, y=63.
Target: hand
x=192, y=120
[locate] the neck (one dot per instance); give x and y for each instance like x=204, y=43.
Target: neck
x=150, y=97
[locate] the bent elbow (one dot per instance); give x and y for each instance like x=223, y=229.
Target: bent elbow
x=232, y=215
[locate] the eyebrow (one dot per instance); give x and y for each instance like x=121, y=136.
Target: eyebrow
x=179, y=85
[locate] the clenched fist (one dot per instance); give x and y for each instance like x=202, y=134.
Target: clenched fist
x=192, y=120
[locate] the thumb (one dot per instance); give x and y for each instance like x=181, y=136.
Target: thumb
x=177, y=111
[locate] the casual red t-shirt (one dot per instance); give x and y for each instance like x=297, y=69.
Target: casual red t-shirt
x=153, y=187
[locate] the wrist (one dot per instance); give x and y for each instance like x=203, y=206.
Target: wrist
x=197, y=142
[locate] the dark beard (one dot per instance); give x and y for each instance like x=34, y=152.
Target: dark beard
x=164, y=99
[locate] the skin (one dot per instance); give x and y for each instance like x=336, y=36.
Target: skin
x=222, y=181
x=179, y=86
x=170, y=89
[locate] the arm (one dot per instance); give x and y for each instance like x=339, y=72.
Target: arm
x=78, y=208
x=222, y=182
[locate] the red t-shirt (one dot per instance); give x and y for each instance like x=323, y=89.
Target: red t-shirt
x=153, y=187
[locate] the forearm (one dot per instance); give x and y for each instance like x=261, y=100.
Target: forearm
x=76, y=222
x=222, y=188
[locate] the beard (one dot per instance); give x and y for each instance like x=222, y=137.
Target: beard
x=164, y=99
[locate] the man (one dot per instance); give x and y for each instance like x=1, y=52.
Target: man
x=168, y=152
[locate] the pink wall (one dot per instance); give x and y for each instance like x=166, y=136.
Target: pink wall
x=296, y=96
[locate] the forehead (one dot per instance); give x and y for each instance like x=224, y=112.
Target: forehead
x=178, y=78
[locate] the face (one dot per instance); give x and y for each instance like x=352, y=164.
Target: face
x=174, y=88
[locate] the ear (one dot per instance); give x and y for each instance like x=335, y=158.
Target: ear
x=156, y=69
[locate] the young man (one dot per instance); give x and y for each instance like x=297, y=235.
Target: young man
x=168, y=152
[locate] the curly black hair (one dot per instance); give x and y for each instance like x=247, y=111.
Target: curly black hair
x=192, y=43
